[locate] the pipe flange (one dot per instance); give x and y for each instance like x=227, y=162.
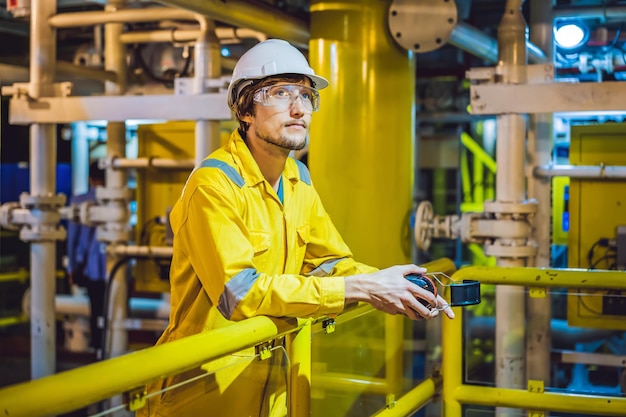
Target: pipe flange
x=112, y=236
x=42, y=235
x=83, y=213
x=103, y=214
x=52, y=200
x=514, y=252
x=499, y=207
x=111, y=194
x=435, y=19
x=6, y=215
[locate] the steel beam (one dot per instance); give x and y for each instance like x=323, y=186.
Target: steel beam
x=211, y=106
x=547, y=98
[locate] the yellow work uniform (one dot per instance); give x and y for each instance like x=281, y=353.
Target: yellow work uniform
x=239, y=252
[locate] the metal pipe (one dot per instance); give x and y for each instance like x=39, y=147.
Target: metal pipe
x=161, y=252
x=172, y=358
x=544, y=277
x=43, y=158
x=188, y=35
x=114, y=15
x=115, y=60
x=580, y=171
x=478, y=43
x=605, y=13
x=394, y=341
x=298, y=347
x=334, y=381
x=206, y=68
x=162, y=163
x=415, y=399
x=256, y=16
x=452, y=354
x=21, y=275
x=85, y=72
x=539, y=310
x=527, y=400
x=161, y=35
x=510, y=188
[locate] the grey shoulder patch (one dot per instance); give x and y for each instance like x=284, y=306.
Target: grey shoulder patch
x=305, y=175
x=230, y=172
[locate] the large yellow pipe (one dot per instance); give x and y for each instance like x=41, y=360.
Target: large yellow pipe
x=362, y=139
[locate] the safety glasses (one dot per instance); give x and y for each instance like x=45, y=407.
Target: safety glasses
x=282, y=96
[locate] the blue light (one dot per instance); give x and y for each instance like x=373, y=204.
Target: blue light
x=225, y=52
x=570, y=35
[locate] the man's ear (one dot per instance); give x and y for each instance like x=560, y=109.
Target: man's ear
x=246, y=118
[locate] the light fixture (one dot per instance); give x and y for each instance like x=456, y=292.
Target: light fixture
x=571, y=35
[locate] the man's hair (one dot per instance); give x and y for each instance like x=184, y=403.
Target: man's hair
x=95, y=172
x=245, y=102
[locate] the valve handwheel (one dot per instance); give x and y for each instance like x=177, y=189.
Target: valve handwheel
x=423, y=225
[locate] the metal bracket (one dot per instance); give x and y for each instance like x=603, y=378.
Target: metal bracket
x=329, y=326
x=23, y=90
x=537, y=292
x=390, y=401
x=537, y=387
x=135, y=399
x=263, y=351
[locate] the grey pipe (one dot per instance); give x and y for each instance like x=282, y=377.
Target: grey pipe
x=580, y=172
x=478, y=43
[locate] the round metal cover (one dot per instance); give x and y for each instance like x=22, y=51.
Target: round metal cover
x=422, y=25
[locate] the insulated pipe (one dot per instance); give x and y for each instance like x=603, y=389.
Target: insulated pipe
x=162, y=163
x=606, y=13
x=256, y=16
x=580, y=171
x=510, y=188
x=539, y=310
x=478, y=43
x=133, y=251
x=206, y=68
x=187, y=35
x=114, y=15
x=43, y=158
x=85, y=72
x=115, y=60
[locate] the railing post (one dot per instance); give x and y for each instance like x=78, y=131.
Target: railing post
x=298, y=345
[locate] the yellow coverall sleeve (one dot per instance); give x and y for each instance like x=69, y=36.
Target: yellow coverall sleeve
x=217, y=241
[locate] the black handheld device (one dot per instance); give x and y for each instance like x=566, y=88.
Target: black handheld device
x=425, y=283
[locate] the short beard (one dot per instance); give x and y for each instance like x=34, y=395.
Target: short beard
x=283, y=142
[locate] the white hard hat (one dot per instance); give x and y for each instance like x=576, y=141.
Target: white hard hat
x=270, y=57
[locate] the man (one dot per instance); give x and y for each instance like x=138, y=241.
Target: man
x=251, y=237
x=87, y=257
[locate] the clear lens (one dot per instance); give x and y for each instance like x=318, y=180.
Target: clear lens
x=283, y=95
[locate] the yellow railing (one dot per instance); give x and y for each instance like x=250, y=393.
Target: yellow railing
x=128, y=374
x=455, y=393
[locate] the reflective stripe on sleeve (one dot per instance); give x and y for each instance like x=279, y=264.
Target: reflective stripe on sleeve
x=227, y=169
x=235, y=290
x=326, y=268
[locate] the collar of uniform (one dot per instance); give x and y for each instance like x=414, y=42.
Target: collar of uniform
x=248, y=166
x=243, y=158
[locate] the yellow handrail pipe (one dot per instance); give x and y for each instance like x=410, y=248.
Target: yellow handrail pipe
x=413, y=400
x=540, y=401
x=544, y=277
x=73, y=389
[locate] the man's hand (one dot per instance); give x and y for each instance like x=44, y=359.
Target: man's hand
x=389, y=291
